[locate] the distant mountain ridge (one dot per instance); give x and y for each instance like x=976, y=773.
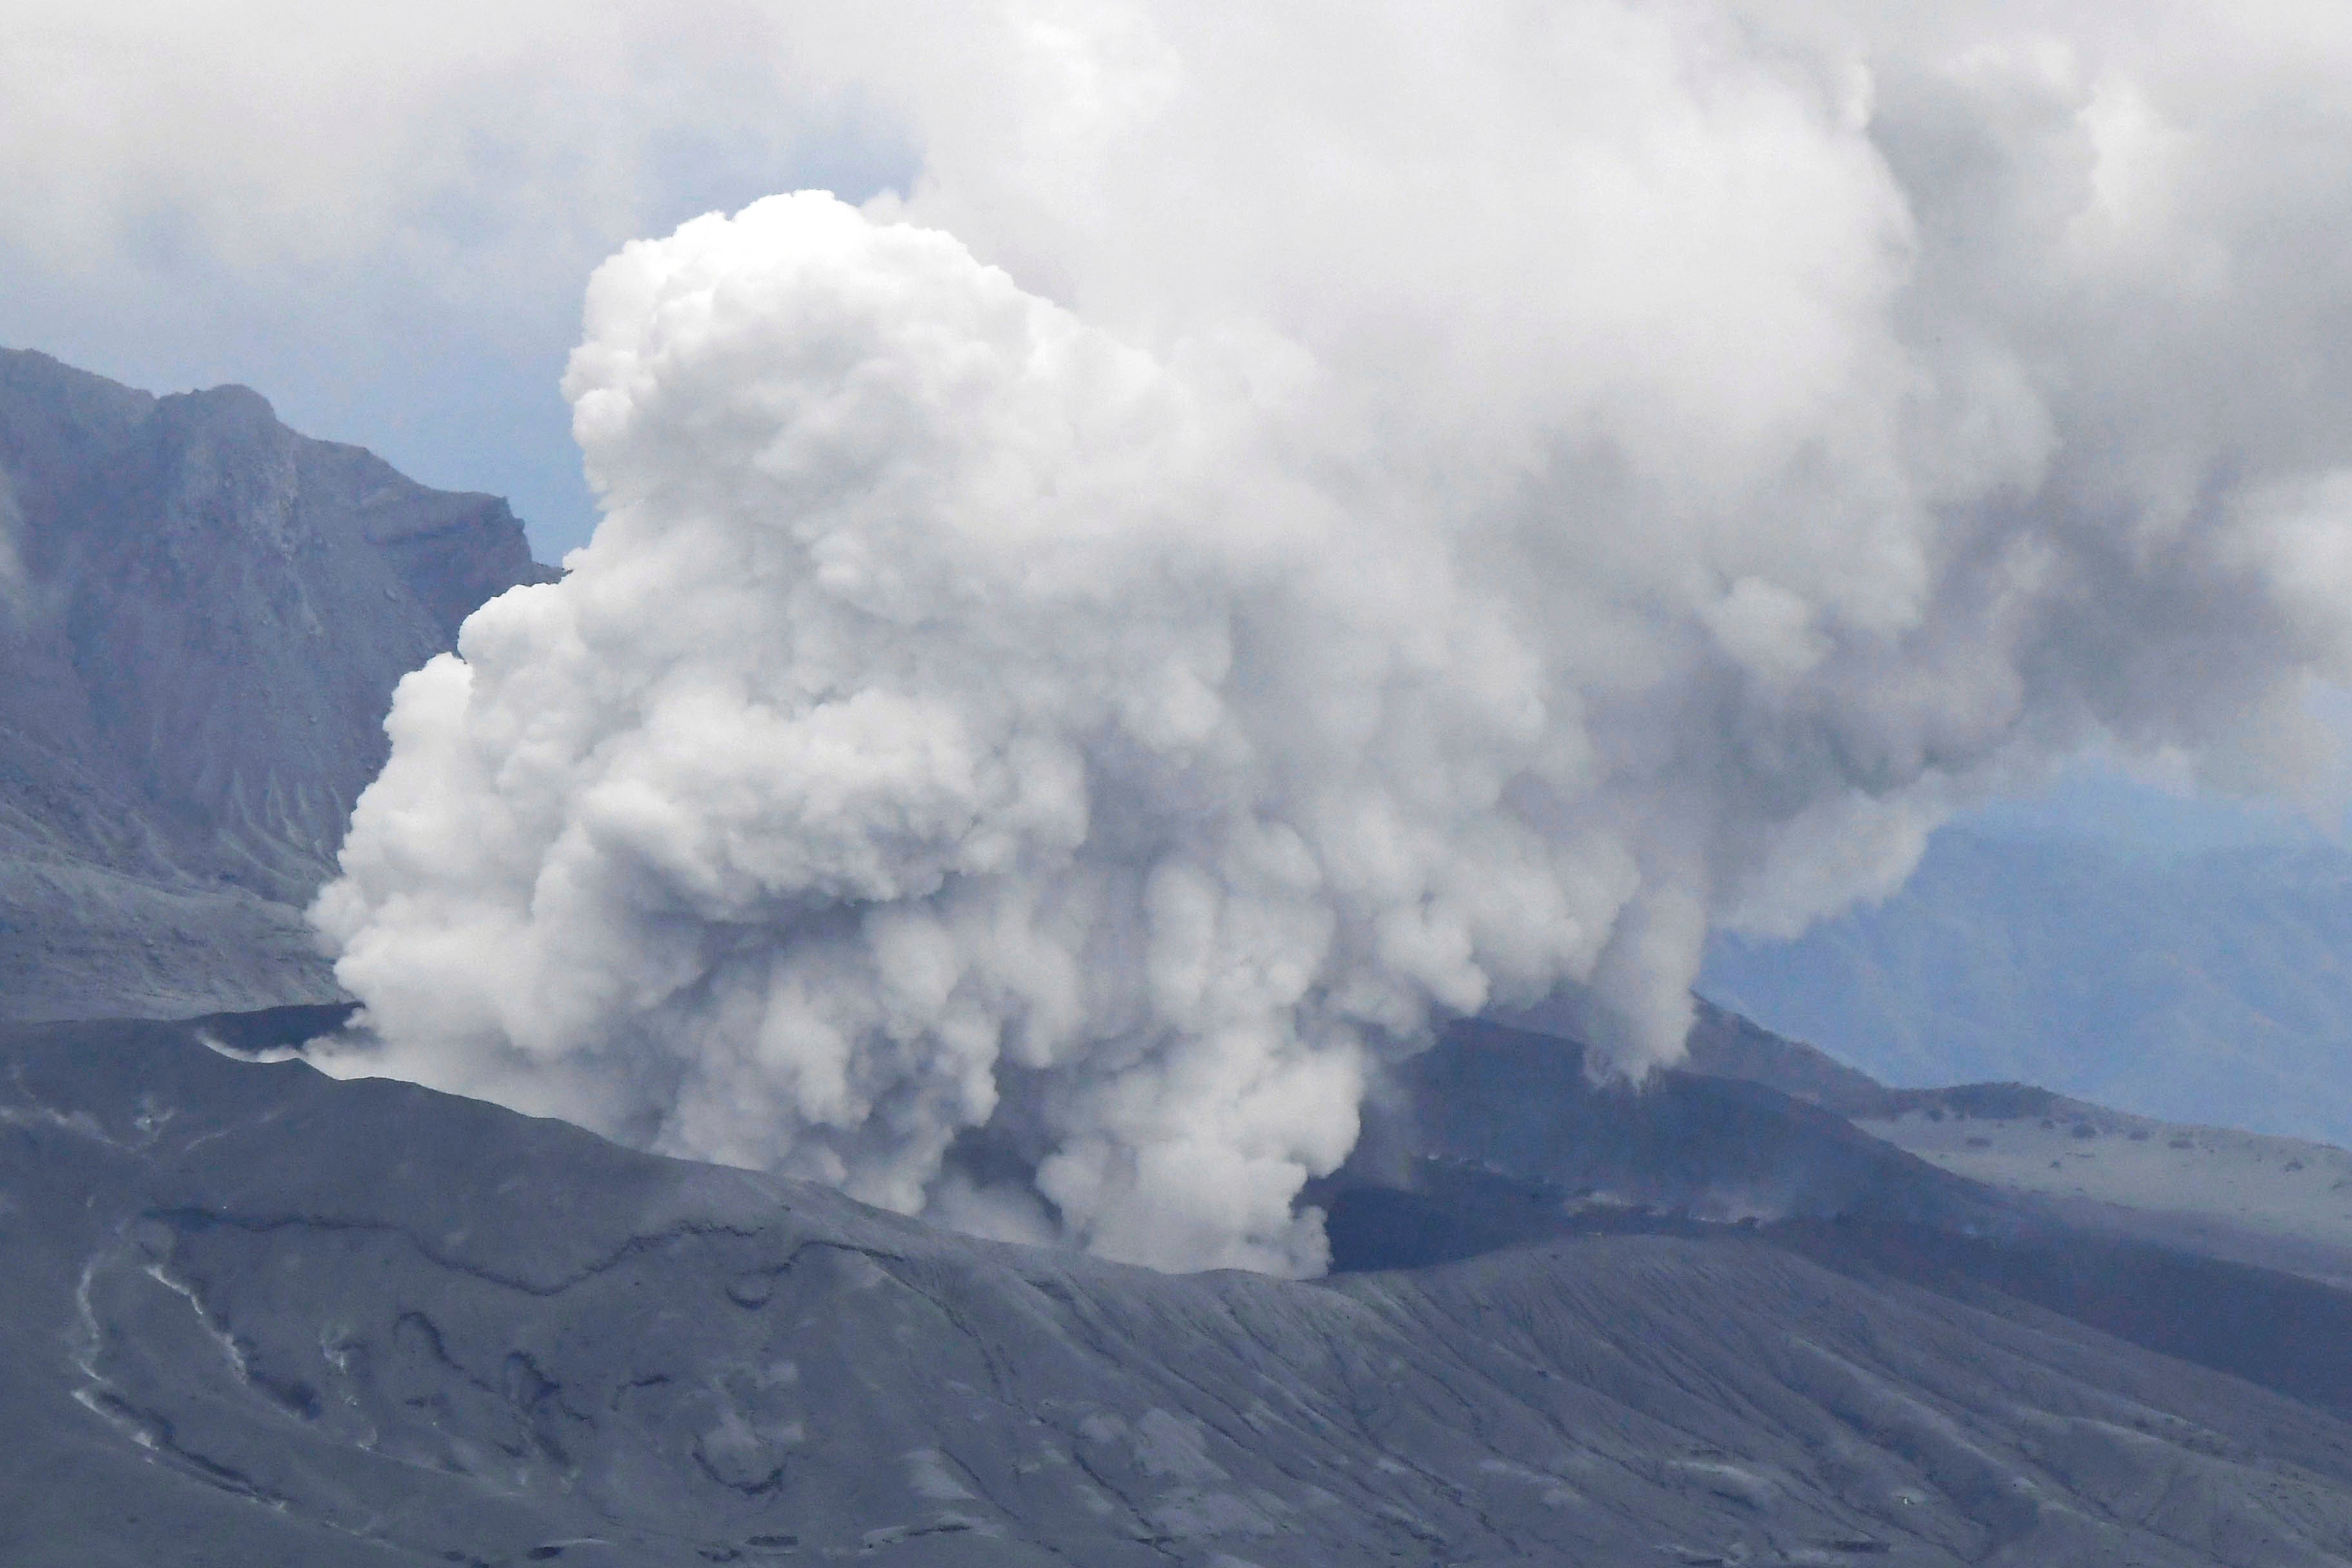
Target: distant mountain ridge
x=2210, y=987
x=203, y=615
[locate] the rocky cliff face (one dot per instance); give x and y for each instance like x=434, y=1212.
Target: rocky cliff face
x=203, y=615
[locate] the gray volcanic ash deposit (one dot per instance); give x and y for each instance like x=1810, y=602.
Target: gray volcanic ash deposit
x=255, y=1316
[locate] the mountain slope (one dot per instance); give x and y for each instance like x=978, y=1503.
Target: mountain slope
x=257, y=1316
x=201, y=616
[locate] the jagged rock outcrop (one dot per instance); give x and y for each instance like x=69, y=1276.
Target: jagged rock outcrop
x=203, y=615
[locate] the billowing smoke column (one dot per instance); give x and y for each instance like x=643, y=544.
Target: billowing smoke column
x=1275, y=542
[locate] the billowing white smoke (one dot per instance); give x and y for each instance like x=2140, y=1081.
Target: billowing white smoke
x=1391, y=527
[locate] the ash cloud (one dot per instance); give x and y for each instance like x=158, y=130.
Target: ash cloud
x=1298, y=527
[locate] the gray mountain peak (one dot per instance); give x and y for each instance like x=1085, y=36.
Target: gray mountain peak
x=203, y=614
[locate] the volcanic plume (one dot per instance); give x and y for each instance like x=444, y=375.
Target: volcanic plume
x=1298, y=527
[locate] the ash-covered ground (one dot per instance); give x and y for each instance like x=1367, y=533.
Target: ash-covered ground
x=255, y=1316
